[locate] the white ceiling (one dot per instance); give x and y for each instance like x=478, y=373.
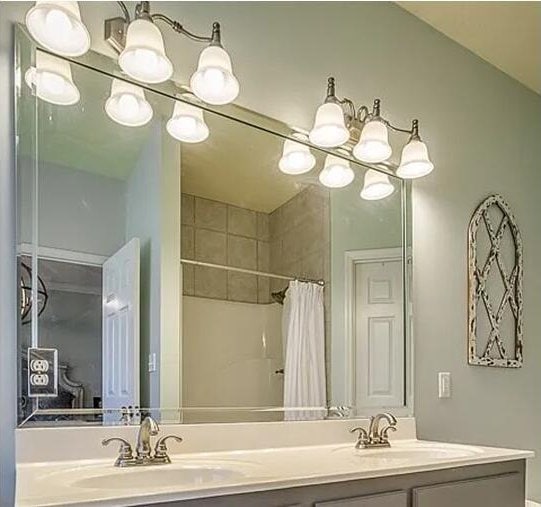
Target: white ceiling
x=505, y=34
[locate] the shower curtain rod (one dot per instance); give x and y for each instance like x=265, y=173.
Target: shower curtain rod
x=250, y=271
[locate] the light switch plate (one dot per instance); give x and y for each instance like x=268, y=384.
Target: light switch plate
x=444, y=384
x=42, y=372
x=152, y=362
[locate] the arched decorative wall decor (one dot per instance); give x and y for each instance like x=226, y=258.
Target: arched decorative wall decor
x=495, y=305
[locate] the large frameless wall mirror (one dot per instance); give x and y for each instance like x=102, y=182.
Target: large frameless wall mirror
x=201, y=280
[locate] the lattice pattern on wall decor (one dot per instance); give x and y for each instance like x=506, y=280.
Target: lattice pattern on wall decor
x=495, y=320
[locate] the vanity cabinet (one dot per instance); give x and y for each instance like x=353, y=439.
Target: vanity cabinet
x=489, y=485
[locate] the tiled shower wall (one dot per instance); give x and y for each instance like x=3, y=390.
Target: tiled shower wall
x=299, y=237
x=219, y=233
x=292, y=240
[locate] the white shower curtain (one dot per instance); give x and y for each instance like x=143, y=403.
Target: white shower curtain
x=304, y=340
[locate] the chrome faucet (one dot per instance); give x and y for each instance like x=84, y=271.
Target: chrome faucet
x=149, y=427
x=375, y=437
x=143, y=452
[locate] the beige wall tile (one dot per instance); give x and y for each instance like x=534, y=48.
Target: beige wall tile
x=187, y=209
x=210, y=282
x=275, y=260
x=210, y=246
x=210, y=214
x=187, y=246
x=188, y=288
x=241, y=252
x=241, y=287
x=263, y=256
x=263, y=290
x=263, y=233
x=312, y=266
x=242, y=222
x=274, y=223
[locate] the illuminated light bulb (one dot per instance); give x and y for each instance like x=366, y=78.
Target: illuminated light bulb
x=52, y=80
x=329, y=130
x=127, y=105
x=414, y=162
x=296, y=158
x=57, y=26
x=373, y=145
x=376, y=186
x=213, y=81
x=336, y=173
x=144, y=57
x=187, y=123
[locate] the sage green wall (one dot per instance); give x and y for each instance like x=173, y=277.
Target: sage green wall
x=484, y=131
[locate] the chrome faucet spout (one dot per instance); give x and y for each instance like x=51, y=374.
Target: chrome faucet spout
x=376, y=437
x=149, y=427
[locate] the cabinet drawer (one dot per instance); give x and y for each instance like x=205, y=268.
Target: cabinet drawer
x=394, y=499
x=496, y=491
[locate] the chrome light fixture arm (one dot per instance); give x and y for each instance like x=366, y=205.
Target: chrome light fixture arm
x=116, y=28
x=363, y=114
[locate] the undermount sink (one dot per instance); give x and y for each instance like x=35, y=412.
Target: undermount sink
x=415, y=452
x=159, y=477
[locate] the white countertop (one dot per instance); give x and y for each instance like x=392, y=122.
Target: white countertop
x=98, y=482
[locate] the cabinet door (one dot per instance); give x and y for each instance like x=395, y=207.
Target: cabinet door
x=497, y=491
x=394, y=499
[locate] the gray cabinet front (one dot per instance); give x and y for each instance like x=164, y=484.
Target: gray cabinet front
x=497, y=491
x=393, y=499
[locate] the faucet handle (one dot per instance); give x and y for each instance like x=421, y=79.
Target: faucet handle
x=362, y=437
x=384, y=434
x=125, y=452
x=160, y=451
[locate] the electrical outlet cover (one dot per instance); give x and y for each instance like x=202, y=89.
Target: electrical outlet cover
x=42, y=372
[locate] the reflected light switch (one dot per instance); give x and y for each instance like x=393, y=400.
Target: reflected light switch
x=152, y=362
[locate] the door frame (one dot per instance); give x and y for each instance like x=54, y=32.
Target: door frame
x=352, y=259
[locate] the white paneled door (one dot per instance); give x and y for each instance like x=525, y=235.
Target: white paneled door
x=120, y=328
x=379, y=334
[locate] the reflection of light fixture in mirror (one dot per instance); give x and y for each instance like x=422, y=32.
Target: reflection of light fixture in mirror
x=187, y=123
x=414, y=162
x=373, y=146
x=296, y=158
x=336, y=173
x=127, y=104
x=26, y=301
x=376, y=186
x=57, y=26
x=52, y=80
x=144, y=56
x=213, y=81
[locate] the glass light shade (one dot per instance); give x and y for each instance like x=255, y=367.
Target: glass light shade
x=127, y=105
x=52, y=79
x=187, y=123
x=57, y=26
x=414, y=162
x=144, y=56
x=373, y=145
x=329, y=130
x=336, y=173
x=296, y=158
x=213, y=81
x=376, y=186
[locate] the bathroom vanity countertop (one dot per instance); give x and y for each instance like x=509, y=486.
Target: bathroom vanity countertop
x=198, y=475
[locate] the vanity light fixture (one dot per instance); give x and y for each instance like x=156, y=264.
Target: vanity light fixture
x=142, y=54
x=414, y=162
x=52, y=80
x=57, y=26
x=338, y=118
x=329, y=130
x=187, y=123
x=296, y=157
x=127, y=104
x=376, y=186
x=336, y=172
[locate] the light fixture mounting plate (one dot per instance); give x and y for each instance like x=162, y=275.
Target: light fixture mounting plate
x=115, y=33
